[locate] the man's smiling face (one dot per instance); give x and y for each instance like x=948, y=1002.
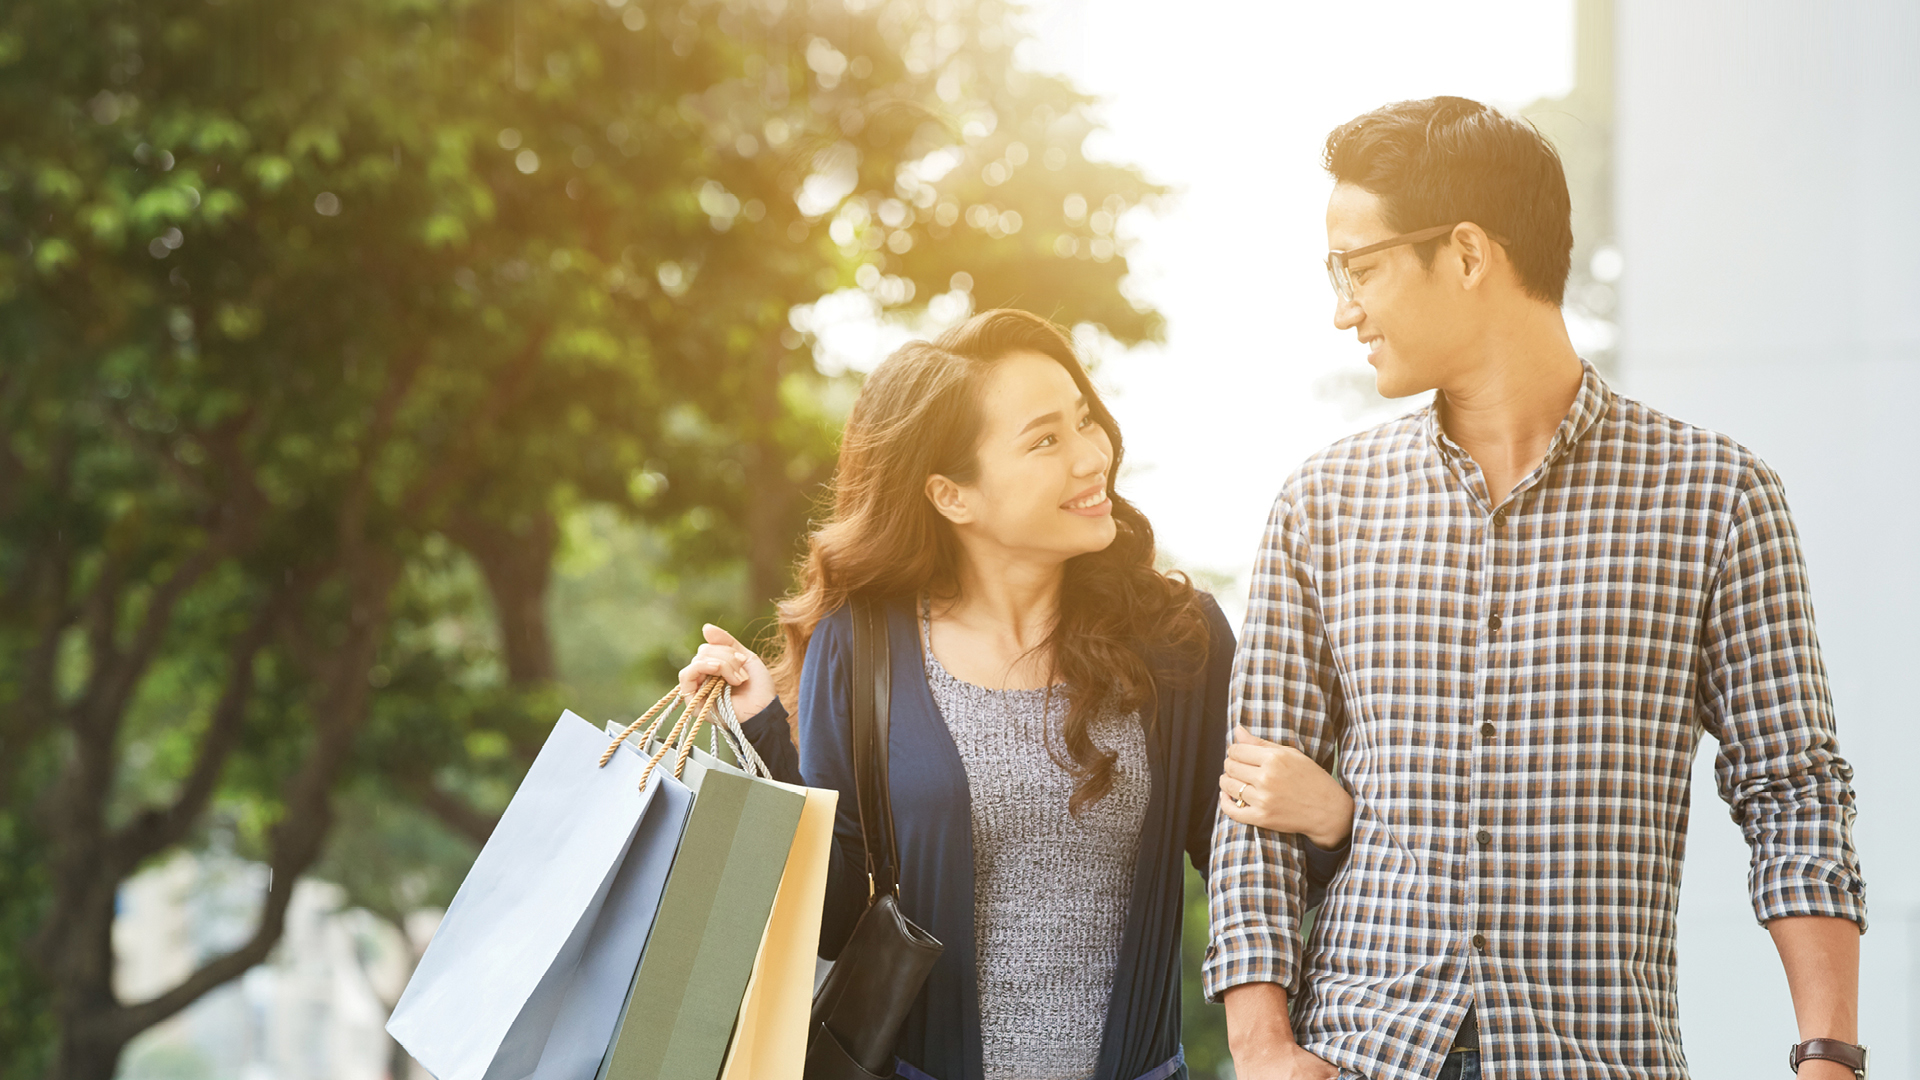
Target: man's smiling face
x=1413, y=319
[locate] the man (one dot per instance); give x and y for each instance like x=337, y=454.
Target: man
x=1513, y=614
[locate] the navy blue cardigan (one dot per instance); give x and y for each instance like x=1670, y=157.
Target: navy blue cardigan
x=1186, y=742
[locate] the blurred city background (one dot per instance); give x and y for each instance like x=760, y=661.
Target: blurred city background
x=378, y=377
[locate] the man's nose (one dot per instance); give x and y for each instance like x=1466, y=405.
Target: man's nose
x=1347, y=314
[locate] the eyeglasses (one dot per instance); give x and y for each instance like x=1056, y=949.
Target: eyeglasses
x=1337, y=260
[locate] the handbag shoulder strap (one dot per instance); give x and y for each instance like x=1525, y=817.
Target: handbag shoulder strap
x=872, y=695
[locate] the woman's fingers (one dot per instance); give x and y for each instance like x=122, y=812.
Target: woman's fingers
x=1254, y=755
x=690, y=679
x=1243, y=737
x=720, y=655
x=728, y=663
x=1239, y=772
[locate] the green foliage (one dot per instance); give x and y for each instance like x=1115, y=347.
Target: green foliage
x=323, y=326
x=1203, y=1025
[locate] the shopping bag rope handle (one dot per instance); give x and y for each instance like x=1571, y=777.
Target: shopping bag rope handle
x=702, y=701
x=658, y=708
x=712, y=705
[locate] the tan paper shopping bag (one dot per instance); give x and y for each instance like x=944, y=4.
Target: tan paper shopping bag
x=770, y=1040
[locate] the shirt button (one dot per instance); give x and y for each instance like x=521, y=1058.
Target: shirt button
x=1484, y=837
x=1493, y=621
x=1487, y=729
x=1480, y=942
x=1500, y=517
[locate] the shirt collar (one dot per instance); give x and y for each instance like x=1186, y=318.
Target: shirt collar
x=1589, y=405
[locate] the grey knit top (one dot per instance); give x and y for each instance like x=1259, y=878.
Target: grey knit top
x=1050, y=890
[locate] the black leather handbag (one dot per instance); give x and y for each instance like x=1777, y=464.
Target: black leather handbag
x=858, y=1010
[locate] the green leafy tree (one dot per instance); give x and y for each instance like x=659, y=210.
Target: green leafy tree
x=317, y=321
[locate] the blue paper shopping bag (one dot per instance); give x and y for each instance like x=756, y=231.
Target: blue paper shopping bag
x=527, y=972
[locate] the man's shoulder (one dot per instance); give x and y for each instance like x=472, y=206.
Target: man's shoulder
x=1636, y=431
x=1378, y=452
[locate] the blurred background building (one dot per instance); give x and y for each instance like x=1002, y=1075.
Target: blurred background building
x=1764, y=169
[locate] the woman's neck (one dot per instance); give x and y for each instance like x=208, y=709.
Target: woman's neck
x=1012, y=603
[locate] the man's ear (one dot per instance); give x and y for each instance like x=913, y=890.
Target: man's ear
x=1475, y=252
x=950, y=499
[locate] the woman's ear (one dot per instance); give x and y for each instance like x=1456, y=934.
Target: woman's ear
x=950, y=499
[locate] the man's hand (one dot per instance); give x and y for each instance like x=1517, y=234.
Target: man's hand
x=1261, y=1037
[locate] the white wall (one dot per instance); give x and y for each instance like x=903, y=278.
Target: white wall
x=1768, y=193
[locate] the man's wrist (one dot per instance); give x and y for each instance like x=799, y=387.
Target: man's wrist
x=1828, y=1059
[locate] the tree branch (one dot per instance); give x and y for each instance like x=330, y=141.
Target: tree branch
x=353, y=507
x=517, y=564
x=452, y=811
x=145, y=441
x=459, y=462
x=160, y=827
x=302, y=831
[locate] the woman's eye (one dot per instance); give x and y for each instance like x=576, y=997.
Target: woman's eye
x=1087, y=420
x=1044, y=443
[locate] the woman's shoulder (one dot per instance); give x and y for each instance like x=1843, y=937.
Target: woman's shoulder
x=834, y=631
x=1180, y=646
x=1219, y=630
x=1210, y=611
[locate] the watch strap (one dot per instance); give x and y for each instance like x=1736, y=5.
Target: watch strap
x=1840, y=1053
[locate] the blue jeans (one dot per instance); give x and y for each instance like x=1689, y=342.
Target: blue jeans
x=1462, y=1066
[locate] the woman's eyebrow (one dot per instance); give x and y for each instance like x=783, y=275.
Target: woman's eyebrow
x=1052, y=417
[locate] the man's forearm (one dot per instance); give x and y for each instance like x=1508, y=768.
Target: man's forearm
x=1821, y=956
x=1257, y=1019
x=1261, y=1037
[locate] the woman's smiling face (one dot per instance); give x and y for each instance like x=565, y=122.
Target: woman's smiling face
x=1040, y=490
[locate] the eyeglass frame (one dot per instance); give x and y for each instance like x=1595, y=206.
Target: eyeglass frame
x=1341, y=279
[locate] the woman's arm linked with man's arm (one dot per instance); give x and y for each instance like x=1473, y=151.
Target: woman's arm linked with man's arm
x=1285, y=691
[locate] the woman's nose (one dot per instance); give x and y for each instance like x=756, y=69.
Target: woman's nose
x=1095, y=454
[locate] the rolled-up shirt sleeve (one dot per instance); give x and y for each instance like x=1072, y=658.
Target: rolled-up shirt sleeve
x=1764, y=696
x=1283, y=689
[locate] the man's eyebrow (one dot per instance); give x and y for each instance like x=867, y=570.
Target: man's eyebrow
x=1052, y=417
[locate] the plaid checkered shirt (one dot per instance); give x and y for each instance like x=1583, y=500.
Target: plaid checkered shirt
x=1515, y=694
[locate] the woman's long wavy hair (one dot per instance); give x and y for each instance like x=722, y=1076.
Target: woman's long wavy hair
x=919, y=415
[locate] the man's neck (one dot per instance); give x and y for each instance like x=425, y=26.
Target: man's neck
x=1504, y=407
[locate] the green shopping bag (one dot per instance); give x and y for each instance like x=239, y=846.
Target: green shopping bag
x=680, y=1011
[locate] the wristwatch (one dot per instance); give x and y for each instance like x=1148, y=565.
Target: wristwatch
x=1844, y=1053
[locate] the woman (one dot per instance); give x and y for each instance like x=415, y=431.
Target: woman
x=1058, y=708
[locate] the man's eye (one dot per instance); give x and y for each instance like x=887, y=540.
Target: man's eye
x=1044, y=443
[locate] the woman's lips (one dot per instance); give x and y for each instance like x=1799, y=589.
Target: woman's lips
x=1091, y=503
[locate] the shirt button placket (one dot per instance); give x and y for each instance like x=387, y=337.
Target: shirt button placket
x=1482, y=772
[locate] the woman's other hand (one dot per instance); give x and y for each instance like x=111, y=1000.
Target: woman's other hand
x=1283, y=790
x=723, y=656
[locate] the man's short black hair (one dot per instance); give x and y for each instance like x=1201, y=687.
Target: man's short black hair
x=1447, y=159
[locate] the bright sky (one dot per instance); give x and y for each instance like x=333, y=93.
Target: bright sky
x=1229, y=102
